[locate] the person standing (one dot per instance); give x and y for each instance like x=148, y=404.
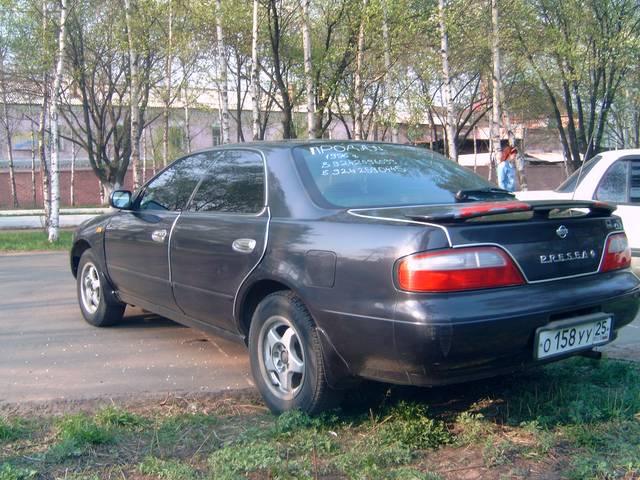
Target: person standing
x=507, y=169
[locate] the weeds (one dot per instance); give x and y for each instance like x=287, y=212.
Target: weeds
x=12, y=430
x=167, y=469
x=9, y=472
x=111, y=417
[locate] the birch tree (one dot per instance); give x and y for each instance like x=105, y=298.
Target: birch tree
x=389, y=84
x=55, y=134
x=134, y=98
x=255, y=74
x=308, y=70
x=358, y=81
x=222, y=82
x=6, y=124
x=452, y=150
x=168, y=69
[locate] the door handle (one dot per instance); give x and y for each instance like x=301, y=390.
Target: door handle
x=244, y=245
x=159, y=235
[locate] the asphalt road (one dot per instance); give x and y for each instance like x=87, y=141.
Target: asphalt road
x=48, y=352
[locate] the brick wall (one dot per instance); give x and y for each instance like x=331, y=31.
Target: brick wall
x=539, y=177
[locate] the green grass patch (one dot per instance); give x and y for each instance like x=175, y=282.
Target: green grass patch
x=33, y=240
x=10, y=472
x=576, y=391
x=606, y=450
x=115, y=417
x=576, y=419
x=14, y=429
x=76, y=433
x=167, y=469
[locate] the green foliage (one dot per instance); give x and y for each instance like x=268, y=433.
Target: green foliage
x=576, y=391
x=9, y=472
x=76, y=433
x=112, y=416
x=405, y=473
x=166, y=469
x=471, y=428
x=82, y=430
x=12, y=429
x=242, y=459
x=606, y=450
x=410, y=426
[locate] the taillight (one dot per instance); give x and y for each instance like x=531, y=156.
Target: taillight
x=617, y=253
x=457, y=269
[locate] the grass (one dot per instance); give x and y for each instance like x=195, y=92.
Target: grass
x=578, y=419
x=32, y=240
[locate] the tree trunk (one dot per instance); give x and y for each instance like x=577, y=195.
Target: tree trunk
x=358, y=85
x=8, y=134
x=167, y=103
x=391, y=101
x=42, y=147
x=55, y=135
x=240, y=97
x=521, y=161
x=187, y=119
x=308, y=70
x=255, y=75
x=72, y=180
x=144, y=157
x=475, y=149
x=222, y=84
x=496, y=81
x=34, y=198
x=452, y=151
x=134, y=100
x=101, y=189
x=153, y=152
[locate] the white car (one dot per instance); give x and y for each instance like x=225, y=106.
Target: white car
x=612, y=177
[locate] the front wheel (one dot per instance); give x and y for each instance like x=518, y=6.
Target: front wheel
x=286, y=356
x=97, y=309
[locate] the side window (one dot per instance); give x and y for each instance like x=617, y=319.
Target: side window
x=634, y=186
x=613, y=185
x=234, y=184
x=172, y=189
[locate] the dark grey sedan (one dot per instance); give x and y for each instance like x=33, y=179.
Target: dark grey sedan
x=336, y=261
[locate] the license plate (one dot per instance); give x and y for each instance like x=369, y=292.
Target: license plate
x=562, y=337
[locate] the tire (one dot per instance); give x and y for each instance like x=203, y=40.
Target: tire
x=286, y=356
x=97, y=308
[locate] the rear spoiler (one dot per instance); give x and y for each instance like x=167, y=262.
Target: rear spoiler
x=542, y=208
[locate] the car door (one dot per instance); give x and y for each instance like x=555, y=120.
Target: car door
x=137, y=240
x=220, y=237
x=621, y=185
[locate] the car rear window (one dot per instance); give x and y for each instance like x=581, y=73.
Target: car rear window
x=571, y=183
x=351, y=175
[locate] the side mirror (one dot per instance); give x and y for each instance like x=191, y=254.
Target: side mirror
x=120, y=199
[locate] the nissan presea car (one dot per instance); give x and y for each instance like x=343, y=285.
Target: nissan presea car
x=337, y=261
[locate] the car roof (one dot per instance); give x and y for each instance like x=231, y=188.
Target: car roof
x=615, y=154
x=264, y=145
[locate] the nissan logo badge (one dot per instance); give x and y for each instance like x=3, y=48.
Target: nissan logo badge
x=562, y=231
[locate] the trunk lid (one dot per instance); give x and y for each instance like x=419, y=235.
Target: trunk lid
x=547, y=239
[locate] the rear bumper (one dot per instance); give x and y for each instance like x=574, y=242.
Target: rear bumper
x=442, y=339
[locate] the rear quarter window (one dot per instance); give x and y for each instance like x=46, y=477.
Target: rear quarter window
x=351, y=175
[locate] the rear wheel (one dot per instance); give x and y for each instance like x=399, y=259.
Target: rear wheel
x=97, y=308
x=286, y=356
